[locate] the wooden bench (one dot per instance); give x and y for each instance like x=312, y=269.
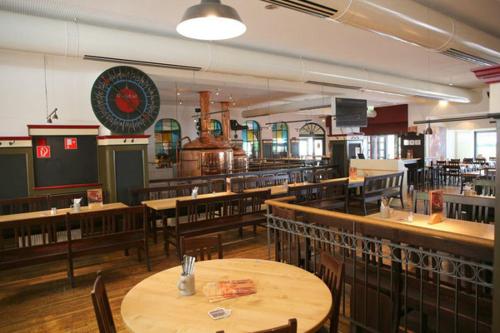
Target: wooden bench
x=50, y=238
x=375, y=187
x=33, y=241
x=107, y=231
x=209, y=215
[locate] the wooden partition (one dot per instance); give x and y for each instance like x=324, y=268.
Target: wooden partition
x=399, y=277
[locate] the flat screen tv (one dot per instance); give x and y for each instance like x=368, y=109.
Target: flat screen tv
x=350, y=112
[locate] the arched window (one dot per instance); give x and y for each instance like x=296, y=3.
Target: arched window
x=280, y=139
x=215, y=127
x=167, y=136
x=312, y=140
x=251, y=139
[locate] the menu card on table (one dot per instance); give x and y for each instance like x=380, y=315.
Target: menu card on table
x=218, y=291
x=436, y=200
x=94, y=197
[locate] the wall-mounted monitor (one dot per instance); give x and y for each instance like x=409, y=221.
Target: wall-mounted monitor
x=351, y=112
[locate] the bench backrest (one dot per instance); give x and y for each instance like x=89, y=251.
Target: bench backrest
x=476, y=208
x=331, y=190
x=30, y=233
x=488, y=186
x=106, y=223
x=375, y=186
x=220, y=207
x=23, y=205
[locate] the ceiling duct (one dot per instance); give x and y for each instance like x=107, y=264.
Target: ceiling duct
x=141, y=63
x=407, y=21
x=309, y=7
x=66, y=36
x=334, y=85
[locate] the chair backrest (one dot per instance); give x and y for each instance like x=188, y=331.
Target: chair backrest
x=331, y=271
x=488, y=186
x=102, y=309
x=23, y=205
x=281, y=178
x=423, y=198
x=202, y=247
x=296, y=177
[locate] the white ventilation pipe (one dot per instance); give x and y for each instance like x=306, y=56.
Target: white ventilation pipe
x=407, y=21
x=70, y=38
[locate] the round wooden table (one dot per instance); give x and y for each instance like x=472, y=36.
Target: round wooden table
x=283, y=292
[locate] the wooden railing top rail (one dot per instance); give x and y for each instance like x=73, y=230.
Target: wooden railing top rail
x=240, y=174
x=485, y=245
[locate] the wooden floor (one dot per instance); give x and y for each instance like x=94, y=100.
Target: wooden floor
x=40, y=299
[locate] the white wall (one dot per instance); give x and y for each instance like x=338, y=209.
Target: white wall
x=458, y=138
x=22, y=90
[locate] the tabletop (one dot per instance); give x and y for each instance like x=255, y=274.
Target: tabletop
x=283, y=292
x=353, y=181
x=276, y=189
x=37, y=214
x=170, y=203
x=464, y=228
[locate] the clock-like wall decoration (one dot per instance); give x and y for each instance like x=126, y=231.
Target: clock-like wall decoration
x=125, y=100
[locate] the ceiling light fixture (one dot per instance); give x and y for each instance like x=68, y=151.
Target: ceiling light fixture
x=211, y=20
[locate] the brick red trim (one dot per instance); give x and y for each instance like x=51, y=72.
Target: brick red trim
x=489, y=75
x=65, y=126
x=15, y=138
x=138, y=136
x=41, y=188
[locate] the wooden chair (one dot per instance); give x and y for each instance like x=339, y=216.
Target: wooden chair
x=202, y=247
x=331, y=271
x=23, y=205
x=102, y=309
x=291, y=327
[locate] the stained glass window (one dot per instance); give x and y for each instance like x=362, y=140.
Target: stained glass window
x=167, y=136
x=280, y=139
x=251, y=139
x=215, y=127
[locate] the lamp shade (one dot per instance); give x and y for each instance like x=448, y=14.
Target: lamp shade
x=211, y=20
x=428, y=130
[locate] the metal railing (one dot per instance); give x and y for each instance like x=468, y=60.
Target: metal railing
x=390, y=285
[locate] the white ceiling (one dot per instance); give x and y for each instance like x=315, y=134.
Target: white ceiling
x=288, y=32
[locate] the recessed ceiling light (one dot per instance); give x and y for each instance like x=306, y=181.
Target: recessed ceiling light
x=211, y=20
x=450, y=84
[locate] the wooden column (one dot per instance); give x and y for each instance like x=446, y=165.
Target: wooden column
x=226, y=121
x=491, y=76
x=205, y=115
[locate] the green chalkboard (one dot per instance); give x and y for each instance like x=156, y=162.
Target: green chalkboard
x=65, y=166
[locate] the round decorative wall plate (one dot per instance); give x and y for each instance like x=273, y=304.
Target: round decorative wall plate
x=125, y=100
